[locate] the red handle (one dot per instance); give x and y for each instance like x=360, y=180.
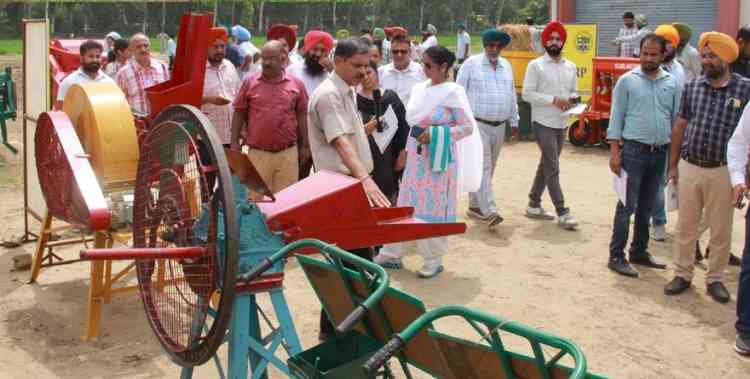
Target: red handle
x=143, y=253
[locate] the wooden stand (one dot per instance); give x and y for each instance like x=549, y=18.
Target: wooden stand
x=102, y=278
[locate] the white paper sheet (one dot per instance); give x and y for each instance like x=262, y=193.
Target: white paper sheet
x=671, y=196
x=620, y=185
x=390, y=126
x=575, y=111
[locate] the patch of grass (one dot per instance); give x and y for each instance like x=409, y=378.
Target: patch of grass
x=10, y=46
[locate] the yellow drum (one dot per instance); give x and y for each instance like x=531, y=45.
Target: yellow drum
x=105, y=127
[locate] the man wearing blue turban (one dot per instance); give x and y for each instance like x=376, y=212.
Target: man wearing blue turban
x=488, y=80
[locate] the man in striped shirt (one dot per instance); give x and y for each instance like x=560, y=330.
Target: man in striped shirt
x=140, y=73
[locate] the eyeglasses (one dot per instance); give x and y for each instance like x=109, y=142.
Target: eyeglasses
x=427, y=65
x=398, y=52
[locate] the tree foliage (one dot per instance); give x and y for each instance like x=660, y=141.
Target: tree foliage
x=97, y=18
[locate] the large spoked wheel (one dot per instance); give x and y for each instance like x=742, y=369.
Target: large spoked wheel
x=184, y=198
x=578, y=133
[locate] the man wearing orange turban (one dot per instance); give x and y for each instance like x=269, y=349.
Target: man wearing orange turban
x=720, y=44
x=217, y=33
x=710, y=111
x=312, y=71
x=220, y=86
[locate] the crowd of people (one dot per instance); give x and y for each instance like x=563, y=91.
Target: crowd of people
x=418, y=125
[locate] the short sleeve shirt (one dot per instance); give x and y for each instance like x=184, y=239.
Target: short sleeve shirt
x=77, y=77
x=712, y=115
x=272, y=109
x=333, y=114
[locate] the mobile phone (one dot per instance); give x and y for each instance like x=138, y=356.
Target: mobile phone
x=416, y=131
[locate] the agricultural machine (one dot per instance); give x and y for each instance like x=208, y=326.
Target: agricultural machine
x=591, y=127
x=204, y=251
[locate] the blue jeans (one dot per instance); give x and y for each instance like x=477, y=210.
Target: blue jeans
x=743, y=288
x=659, y=214
x=645, y=171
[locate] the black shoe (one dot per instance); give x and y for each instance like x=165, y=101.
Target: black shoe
x=622, y=267
x=742, y=344
x=718, y=292
x=646, y=259
x=698, y=255
x=677, y=286
x=734, y=260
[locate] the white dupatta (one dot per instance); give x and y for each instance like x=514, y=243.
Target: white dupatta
x=423, y=101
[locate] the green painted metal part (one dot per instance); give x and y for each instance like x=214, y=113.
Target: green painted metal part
x=459, y=362
x=488, y=327
x=7, y=106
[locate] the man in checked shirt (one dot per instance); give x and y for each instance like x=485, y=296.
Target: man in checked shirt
x=711, y=108
x=140, y=73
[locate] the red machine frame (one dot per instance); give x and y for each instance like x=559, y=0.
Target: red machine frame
x=591, y=127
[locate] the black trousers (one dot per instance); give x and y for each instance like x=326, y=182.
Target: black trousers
x=327, y=328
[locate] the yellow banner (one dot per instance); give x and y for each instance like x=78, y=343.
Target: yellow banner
x=580, y=48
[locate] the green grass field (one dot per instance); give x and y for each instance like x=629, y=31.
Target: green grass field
x=14, y=46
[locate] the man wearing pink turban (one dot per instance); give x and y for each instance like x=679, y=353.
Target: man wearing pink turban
x=312, y=71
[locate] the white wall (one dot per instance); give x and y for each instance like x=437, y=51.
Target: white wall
x=744, y=12
x=553, y=9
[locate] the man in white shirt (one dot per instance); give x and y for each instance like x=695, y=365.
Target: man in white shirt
x=403, y=73
x=91, y=53
x=549, y=84
x=488, y=81
x=431, y=40
x=249, y=54
x=738, y=149
x=314, y=69
x=312, y=72
x=463, y=44
x=220, y=86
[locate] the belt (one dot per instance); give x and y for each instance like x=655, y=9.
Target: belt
x=702, y=163
x=272, y=150
x=490, y=123
x=647, y=148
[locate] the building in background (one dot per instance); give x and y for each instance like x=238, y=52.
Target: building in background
x=703, y=15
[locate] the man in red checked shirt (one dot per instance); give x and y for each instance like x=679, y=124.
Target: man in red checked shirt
x=140, y=73
x=271, y=107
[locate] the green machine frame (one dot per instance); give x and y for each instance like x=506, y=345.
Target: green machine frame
x=7, y=106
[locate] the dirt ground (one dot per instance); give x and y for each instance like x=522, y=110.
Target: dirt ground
x=528, y=271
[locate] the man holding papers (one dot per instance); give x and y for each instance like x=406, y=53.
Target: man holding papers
x=644, y=107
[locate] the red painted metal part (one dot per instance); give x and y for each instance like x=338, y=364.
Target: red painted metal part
x=334, y=208
x=185, y=85
x=264, y=283
x=143, y=253
x=68, y=182
x=606, y=72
